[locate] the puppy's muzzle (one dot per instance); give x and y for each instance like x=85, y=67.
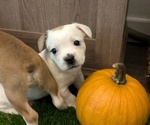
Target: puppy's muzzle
x=69, y=59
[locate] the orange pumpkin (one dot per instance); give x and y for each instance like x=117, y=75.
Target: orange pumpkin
x=110, y=97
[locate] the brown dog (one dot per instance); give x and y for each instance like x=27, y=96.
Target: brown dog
x=22, y=68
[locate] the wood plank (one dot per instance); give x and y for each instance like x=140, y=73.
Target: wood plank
x=40, y=15
x=32, y=15
x=23, y=34
x=82, y=11
x=9, y=14
x=89, y=14
x=110, y=30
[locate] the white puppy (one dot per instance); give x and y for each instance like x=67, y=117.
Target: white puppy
x=65, y=55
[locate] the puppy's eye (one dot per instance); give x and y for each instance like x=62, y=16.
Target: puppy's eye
x=77, y=43
x=54, y=51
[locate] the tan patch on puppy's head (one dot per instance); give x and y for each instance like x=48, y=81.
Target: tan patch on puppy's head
x=41, y=41
x=57, y=28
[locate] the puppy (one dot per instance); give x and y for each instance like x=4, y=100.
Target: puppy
x=22, y=72
x=65, y=55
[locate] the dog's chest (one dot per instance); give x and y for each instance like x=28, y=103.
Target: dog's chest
x=65, y=79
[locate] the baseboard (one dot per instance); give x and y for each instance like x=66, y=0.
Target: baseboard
x=139, y=24
x=135, y=19
x=29, y=36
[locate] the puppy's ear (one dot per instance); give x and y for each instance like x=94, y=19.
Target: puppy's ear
x=42, y=41
x=85, y=29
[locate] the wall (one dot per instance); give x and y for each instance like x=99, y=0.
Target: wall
x=138, y=16
x=106, y=18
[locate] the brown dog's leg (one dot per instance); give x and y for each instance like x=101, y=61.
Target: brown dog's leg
x=20, y=103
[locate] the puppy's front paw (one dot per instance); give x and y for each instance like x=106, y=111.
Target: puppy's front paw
x=59, y=102
x=70, y=101
x=72, y=104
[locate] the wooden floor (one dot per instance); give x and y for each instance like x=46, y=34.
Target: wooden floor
x=135, y=61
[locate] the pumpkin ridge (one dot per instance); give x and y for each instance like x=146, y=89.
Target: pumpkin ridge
x=123, y=101
x=123, y=113
x=140, y=89
x=120, y=93
x=142, y=100
x=97, y=89
x=134, y=83
x=133, y=95
x=119, y=96
x=127, y=109
x=102, y=95
x=110, y=106
x=85, y=100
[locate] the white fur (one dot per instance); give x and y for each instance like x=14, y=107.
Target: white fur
x=34, y=93
x=63, y=41
x=5, y=105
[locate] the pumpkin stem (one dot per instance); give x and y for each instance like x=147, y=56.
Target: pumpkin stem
x=120, y=75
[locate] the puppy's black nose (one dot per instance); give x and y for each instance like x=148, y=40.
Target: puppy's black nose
x=69, y=59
